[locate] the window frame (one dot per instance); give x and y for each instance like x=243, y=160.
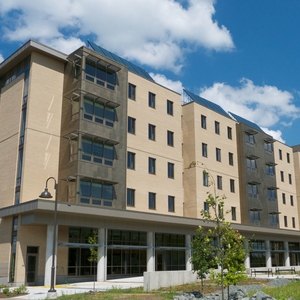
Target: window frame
x=204, y=149
x=171, y=170
x=217, y=127
x=151, y=165
x=130, y=200
x=230, y=158
x=151, y=132
x=203, y=122
x=170, y=138
x=130, y=160
x=170, y=107
x=171, y=203
x=152, y=201
x=233, y=213
x=219, y=182
x=218, y=155
x=229, y=132
x=131, y=91
x=232, y=185
x=151, y=100
x=131, y=125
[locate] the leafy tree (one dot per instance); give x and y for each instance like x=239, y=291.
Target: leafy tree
x=229, y=252
x=93, y=258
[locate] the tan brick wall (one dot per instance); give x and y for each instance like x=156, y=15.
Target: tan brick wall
x=193, y=137
x=10, y=116
x=285, y=187
x=139, y=179
x=42, y=136
x=5, y=233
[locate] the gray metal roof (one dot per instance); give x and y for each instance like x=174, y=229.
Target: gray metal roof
x=213, y=106
x=131, y=67
x=246, y=122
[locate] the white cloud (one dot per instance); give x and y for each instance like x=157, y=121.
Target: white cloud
x=264, y=105
x=1, y=58
x=276, y=134
x=172, y=85
x=154, y=32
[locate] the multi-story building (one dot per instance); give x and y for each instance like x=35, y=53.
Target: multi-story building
x=130, y=159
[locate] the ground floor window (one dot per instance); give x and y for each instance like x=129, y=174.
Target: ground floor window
x=170, y=260
x=79, y=264
x=125, y=262
x=257, y=259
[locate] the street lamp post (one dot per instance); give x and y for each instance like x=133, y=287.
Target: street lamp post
x=45, y=194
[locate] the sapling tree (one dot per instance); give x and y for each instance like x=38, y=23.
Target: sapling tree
x=93, y=258
x=228, y=249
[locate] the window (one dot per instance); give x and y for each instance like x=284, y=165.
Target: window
x=131, y=91
x=293, y=222
x=218, y=154
x=204, y=149
x=171, y=203
x=169, y=107
x=100, y=74
x=285, y=221
x=283, y=198
x=268, y=147
x=205, y=178
x=131, y=125
x=170, y=170
x=130, y=197
x=232, y=187
x=170, y=138
x=292, y=200
x=203, y=122
x=96, y=192
x=251, y=164
x=252, y=190
x=272, y=195
x=130, y=160
x=273, y=219
x=96, y=111
x=217, y=127
x=229, y=132
x=151, y=165
x=233, y=213
x=151, y=132
x=282, y=176
x=97, y=151
x=270, y=170
x=230, y=158
x=151, y=100
x=206, y=207
x=219, y=182
x=151, y=200
x=290, y=178
x=288, y=157
x=280, y=154
x=250, y=139
x=254, y=217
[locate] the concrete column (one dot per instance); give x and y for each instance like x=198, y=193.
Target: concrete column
x=150, y=252
x=188, y=253
x=268, y=254
x=287, y=261
x=102, y=258
x=49, y=249
x=247, y=257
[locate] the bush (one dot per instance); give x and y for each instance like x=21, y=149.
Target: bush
x=6, y=291
x=20, y=290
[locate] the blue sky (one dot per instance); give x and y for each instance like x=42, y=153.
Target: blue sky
x=240, y=54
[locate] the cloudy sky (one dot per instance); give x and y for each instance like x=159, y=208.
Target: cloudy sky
x=243, y=55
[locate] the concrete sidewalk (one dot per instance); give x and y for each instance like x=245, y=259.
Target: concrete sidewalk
x=40, y=292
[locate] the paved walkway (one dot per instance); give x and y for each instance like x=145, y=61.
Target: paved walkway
x=40, y=292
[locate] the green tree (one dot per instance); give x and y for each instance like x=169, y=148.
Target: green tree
x=229, y=252
x=93, y=258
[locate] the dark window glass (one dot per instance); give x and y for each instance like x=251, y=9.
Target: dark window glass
x=285, y=221
x=268, y=147
x=169, y=107
x=130, y=160
x=233, y=213
x=151, y=165
x=288, y=157
x=130, y=197
x=283, y=198
x=232, y=187
x=272, y=195
x=250, y=139
x=152, y=200
x=171, y=203
x=230, y=158
x=280, y=154
x=204, y=149
x=151, y=132
x=229, y=133
x=170, y=170
x=219, y=182
x=170, y=138
x=270, y=170
x=217, y=127
x=151, y=100
x=203, y=122
x=131, y=125
x=252, y=190
x=290, y=178
x=292, y=200
x=205, y=178
x=218, y=154
x=131, y=91
x=282, y=176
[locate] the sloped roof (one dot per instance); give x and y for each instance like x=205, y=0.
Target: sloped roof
x=246, y=122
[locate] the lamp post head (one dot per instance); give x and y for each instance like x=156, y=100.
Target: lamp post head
x=45, y=194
